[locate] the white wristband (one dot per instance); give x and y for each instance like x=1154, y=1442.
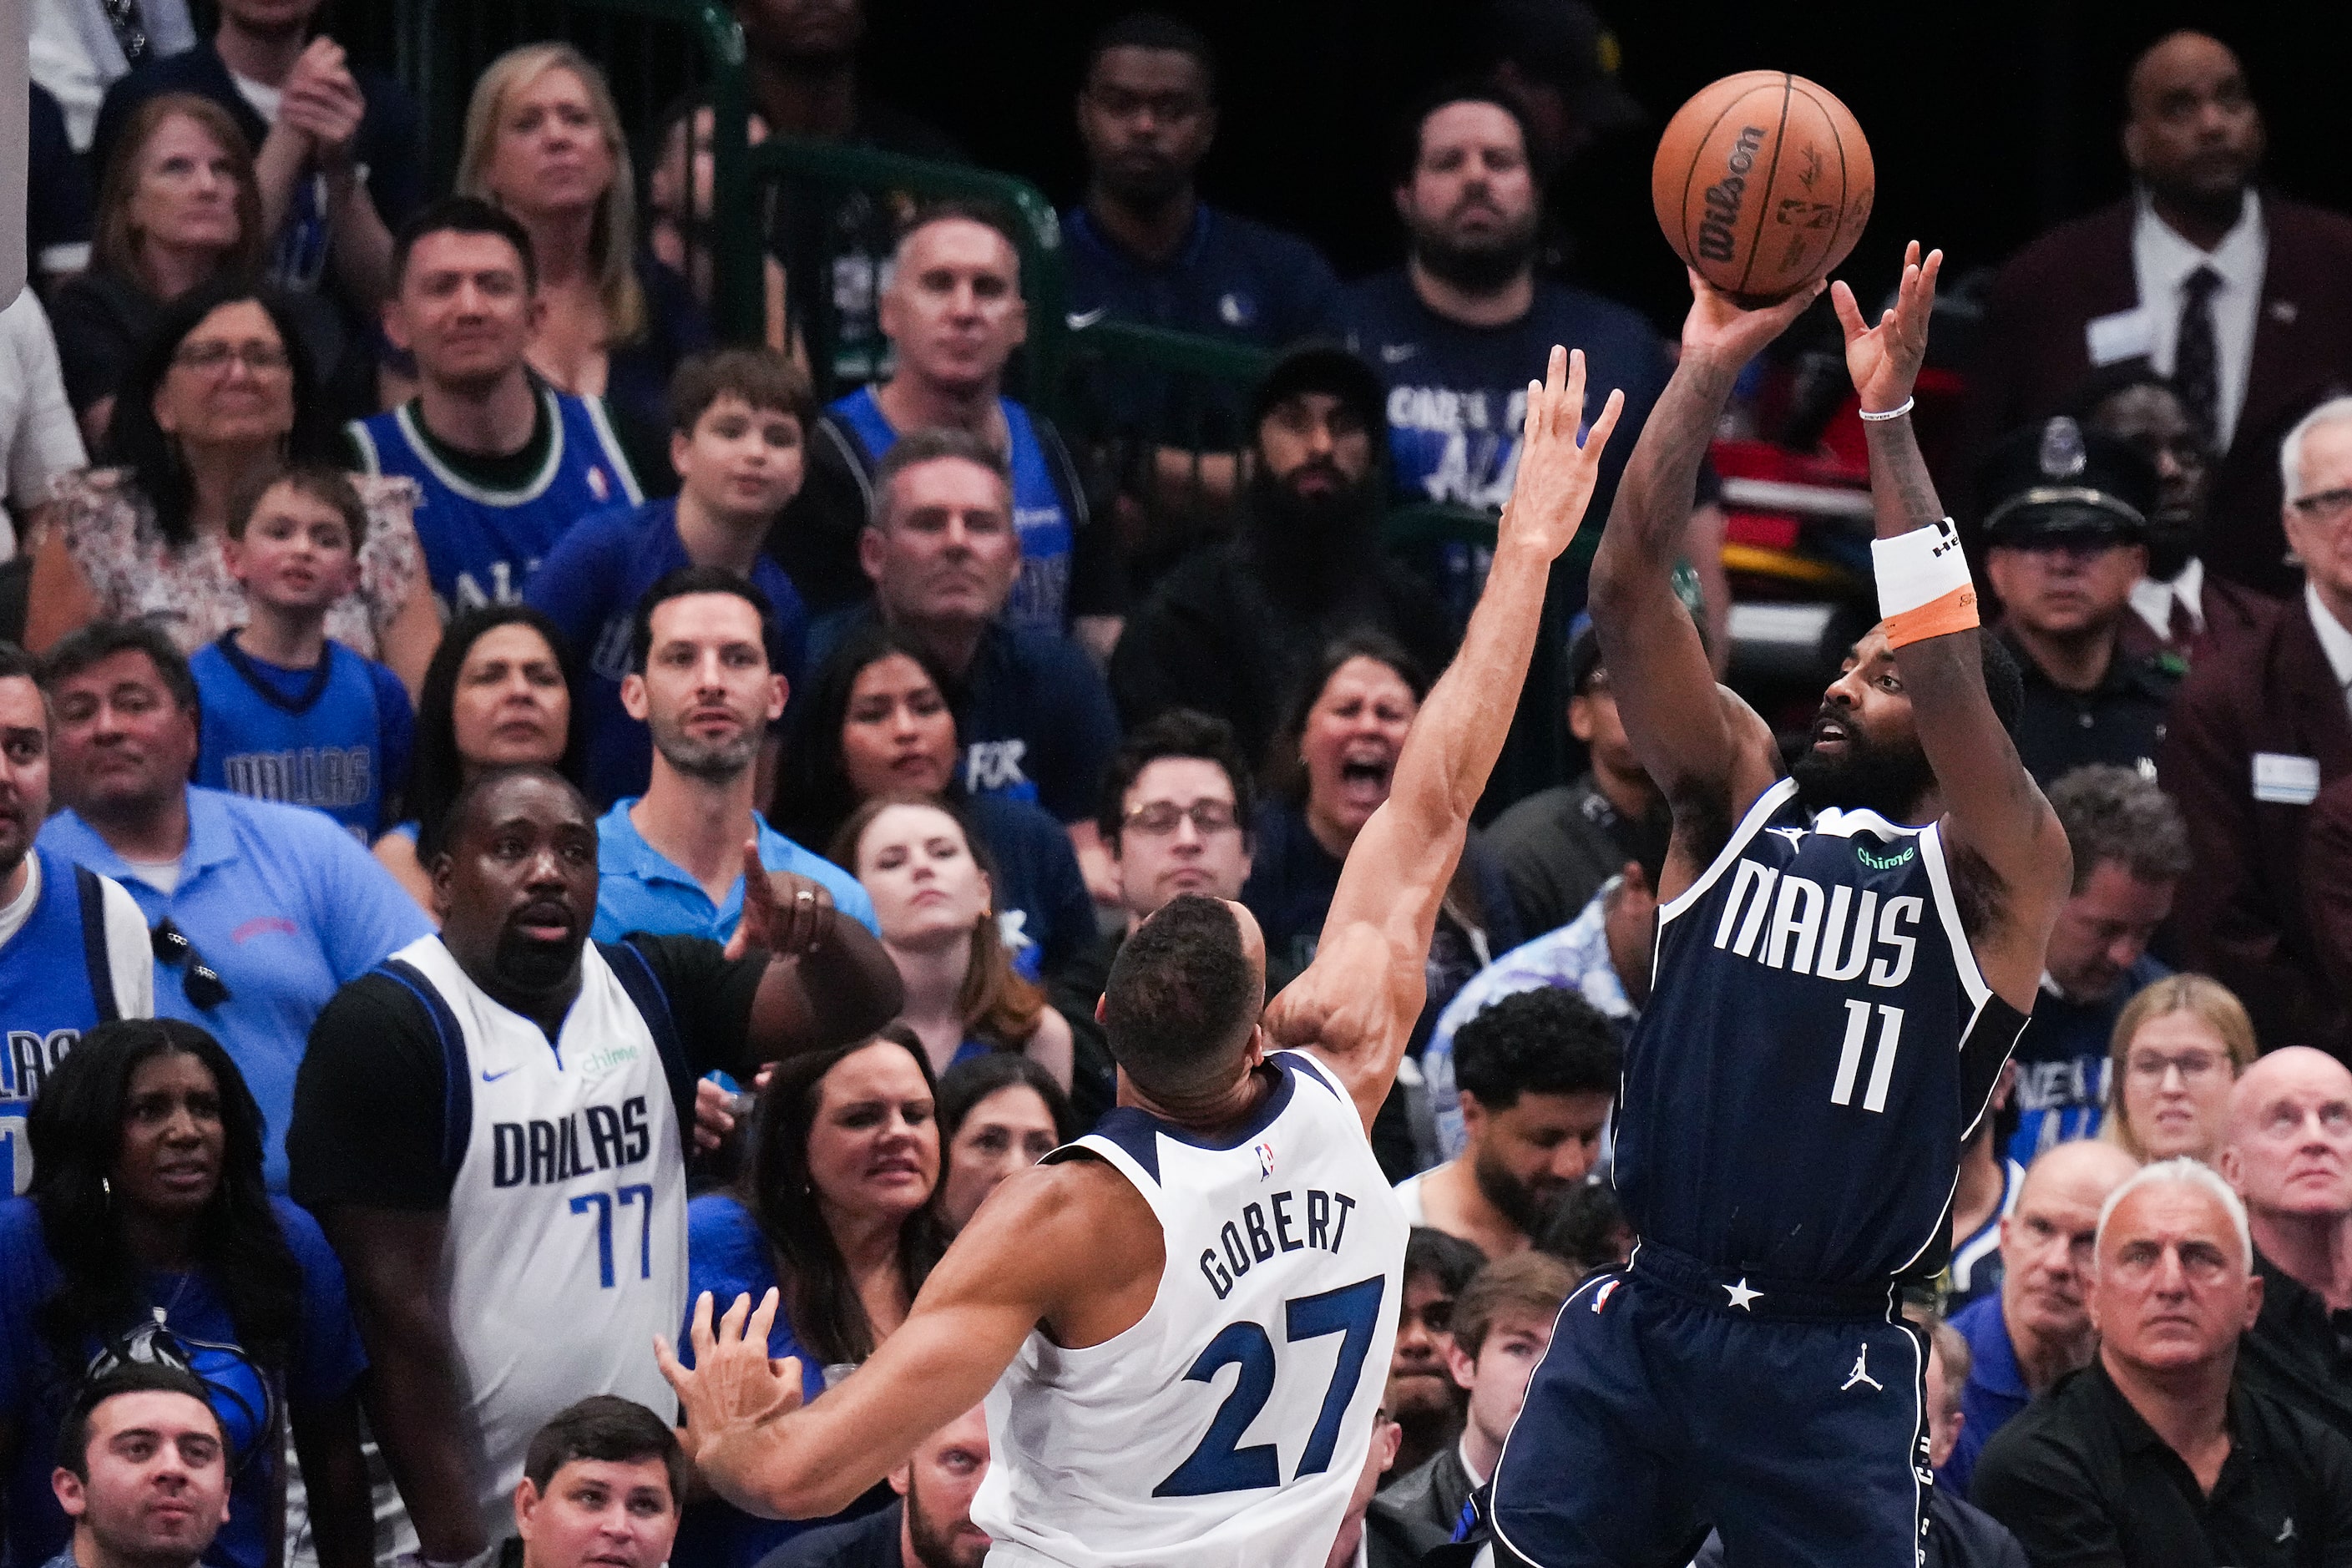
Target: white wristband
x=1918, y=567
x=1896, y=413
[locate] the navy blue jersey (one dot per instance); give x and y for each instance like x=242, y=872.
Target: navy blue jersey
x=1818, y=1043
x=482, y=543
x=335, y=737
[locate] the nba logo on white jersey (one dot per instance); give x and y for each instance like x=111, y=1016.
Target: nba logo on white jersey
x=1230, y=1423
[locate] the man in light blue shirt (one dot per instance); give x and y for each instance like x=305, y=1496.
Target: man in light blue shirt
x=671, y=861
x=259, y=912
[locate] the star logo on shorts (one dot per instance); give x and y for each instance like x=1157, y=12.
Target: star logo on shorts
x=1741, y=1295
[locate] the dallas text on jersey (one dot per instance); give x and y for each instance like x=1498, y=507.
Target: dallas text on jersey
x=540, y=1152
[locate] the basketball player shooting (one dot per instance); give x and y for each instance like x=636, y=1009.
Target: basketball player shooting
x=1845, y=958
x=1182, y=1322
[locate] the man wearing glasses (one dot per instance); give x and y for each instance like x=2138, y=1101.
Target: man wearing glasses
x=256, y=911
x=73, y=945
x=2260, y=730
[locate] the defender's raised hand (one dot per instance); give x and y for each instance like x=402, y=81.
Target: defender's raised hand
x=1556, y=475
x=733, y=1387
x=1885, y=360
x=782, y=913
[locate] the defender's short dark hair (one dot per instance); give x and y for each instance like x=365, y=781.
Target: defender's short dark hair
x=1442, y=1254
x=2113, y=814
x=1549, y=1040
x=688, y=579
x=1179, y=733
x=608, y=1428
x=1183, y=998
x=78, y=649
x=762, y=377
x=919, y=447
x=126, y=1377
x=1154, y=30
x=462, y=215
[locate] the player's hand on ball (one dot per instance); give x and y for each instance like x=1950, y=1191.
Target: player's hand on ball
x=733, y=1388
x=782, y=913
x=1556, y=476
x=1719, y=328
x=1885, y=360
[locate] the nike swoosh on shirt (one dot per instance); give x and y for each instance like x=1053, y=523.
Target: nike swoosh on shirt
x=489, y=1077
x=1081, y=319
x=1396, y=353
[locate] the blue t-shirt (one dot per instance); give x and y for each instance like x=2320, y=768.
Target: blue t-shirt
x=1041, y=595
x=285, y=905
x=1043, y=905
x=327, y=1362
x=1995, y=1390
x=335, y=737
x=726, y=1255
x=2062, y=1090
x=1458, y=395
x=590, y=584
x=640, y=889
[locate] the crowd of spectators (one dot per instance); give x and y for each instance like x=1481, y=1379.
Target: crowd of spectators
x=513, y=812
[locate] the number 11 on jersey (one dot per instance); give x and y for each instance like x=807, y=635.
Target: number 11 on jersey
x=1882, y=1070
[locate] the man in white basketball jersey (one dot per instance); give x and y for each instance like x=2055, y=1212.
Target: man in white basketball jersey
x=1182, y=1322
x=489, y=1127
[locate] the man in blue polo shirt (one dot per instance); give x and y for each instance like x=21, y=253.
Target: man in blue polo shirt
x=671, y=862
x=737, y=444
x=73, y=947
x=259, y=910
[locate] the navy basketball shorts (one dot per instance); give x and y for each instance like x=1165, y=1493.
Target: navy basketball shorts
x=1792, y=1424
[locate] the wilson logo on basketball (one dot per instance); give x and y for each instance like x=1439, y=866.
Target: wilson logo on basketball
x=1723, y=198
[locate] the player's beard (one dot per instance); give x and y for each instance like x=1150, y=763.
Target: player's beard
x=933, y=1549
x=1870, y=776
x=1525, y=1206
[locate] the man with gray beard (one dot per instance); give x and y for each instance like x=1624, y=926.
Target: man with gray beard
x=671, y=862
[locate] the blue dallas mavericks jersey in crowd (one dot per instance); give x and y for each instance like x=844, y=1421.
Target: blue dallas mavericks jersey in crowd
x=1041, y=595
x=57, y=983
x=1817, y=1045
x=481, y=544
x=334, y=738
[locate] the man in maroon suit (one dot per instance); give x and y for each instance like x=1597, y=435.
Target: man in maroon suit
x=2244, y=298
x=2258, y=739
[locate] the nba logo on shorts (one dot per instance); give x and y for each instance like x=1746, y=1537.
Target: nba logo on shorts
x=1265, y=1161
x=1600, y=1297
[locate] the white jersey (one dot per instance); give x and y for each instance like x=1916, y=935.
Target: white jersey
x=1230, y=1424
x=566, y=1247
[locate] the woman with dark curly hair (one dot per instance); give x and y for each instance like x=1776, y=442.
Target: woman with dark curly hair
x=497, y=693
x=221, y=391
x=839, y=1213
x=149, y=1236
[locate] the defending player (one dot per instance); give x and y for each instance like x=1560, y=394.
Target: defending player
x=1835, y=991
x=1228, y=1214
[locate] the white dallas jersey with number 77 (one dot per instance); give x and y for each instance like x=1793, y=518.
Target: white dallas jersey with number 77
x=1230, y=1424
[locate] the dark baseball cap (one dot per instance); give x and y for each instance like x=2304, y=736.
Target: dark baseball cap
x=2056, y=480
x=1565, y=43
x=1324, y=367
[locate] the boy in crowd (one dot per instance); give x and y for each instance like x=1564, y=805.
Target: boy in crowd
x=288, y=713
x=741, y=417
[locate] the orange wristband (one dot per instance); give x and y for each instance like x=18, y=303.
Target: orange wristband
x=1953, y=612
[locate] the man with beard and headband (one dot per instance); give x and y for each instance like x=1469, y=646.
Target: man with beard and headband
x=492, y=1126
x=1536, y=1073
x=671, y=861
x=930, y=1524
x=1843, y=961
x=1234, y=627
x=73, y=945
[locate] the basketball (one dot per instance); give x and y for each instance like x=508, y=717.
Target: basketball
x=1762, y=182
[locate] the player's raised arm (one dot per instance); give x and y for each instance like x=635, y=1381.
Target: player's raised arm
x=1356, y=1003
x=1687, y=735
x=1994, y=814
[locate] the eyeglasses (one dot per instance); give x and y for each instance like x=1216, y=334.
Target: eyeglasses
x=2152, y=1067
x=202, y=982
x=1160, y=817
x=212, y=358
x=2325, y=506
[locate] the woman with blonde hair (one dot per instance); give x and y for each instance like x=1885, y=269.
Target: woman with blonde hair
x=543, y=141
x=934, y=898
x=2177, y=1048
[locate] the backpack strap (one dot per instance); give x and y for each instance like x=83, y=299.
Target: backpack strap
x=91, y=892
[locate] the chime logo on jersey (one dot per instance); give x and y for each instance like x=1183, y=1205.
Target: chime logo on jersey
x=542, y=1151
x=1828, y=932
